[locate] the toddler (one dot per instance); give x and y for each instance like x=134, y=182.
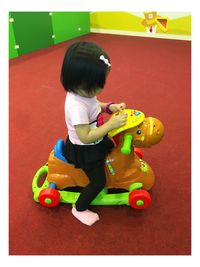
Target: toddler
x=83, y=76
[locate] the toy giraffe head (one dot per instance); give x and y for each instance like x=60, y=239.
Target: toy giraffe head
x=138, y=131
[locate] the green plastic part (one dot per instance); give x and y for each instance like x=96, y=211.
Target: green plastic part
x=144, y=166
x=135, y=186
x=36, y=190
x=48, y=200
x=139, y=202
x=102, y=198
x=126, y=148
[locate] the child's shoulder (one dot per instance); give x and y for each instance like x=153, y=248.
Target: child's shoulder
x=74, y=104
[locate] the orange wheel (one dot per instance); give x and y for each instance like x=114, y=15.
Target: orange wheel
x=139, y=199
x=49, y=197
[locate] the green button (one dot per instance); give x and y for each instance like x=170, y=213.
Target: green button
x=48, y=200
x=139, y=202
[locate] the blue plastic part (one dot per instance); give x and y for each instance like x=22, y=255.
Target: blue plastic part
x=58, y=149
x=137, y=113
x=52, y=185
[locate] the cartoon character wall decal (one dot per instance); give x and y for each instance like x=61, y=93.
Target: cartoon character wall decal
x=152, y=21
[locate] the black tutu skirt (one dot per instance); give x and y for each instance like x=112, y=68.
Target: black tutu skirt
x=83, y=156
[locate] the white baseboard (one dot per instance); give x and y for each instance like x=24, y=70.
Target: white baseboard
x=143, y=34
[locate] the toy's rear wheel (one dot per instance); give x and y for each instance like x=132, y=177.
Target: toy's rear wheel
x=49, y=197
x=139, y=199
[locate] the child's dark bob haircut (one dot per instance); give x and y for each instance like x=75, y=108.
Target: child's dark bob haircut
x=83, y=69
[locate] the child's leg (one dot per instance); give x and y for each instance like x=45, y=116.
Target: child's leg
x=97, y=177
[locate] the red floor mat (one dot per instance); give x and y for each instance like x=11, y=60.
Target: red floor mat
x=152, y=75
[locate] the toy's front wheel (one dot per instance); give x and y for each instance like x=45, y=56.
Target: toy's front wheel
x=139, y=199
x=49, y=197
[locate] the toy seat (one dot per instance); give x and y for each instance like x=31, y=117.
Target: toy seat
x=58, y=150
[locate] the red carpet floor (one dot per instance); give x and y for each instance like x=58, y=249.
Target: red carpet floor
x=152, y=75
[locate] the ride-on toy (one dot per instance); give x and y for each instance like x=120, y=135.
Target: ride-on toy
x=124, y=166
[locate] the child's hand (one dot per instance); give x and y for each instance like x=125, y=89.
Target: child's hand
x=118, y=120
x=117, y=107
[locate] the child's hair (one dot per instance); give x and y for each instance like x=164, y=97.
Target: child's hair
x=85, y=66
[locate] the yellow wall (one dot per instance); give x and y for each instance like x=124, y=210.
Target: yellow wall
x=178, y=23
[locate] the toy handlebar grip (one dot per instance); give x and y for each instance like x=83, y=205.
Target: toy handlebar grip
x=126, y=148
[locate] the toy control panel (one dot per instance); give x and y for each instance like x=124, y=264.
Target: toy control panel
x=134, y=118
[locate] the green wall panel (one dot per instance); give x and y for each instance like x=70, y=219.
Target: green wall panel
x=68, y=25
x=33, y=30
x=12, y=50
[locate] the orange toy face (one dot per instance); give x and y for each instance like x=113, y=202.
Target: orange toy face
x=144, y=132
x=148, y=133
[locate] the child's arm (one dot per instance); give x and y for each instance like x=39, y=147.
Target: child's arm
x=88, y=135
x=112, y=107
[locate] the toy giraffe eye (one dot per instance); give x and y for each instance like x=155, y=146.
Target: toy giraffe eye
x=138, y=132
